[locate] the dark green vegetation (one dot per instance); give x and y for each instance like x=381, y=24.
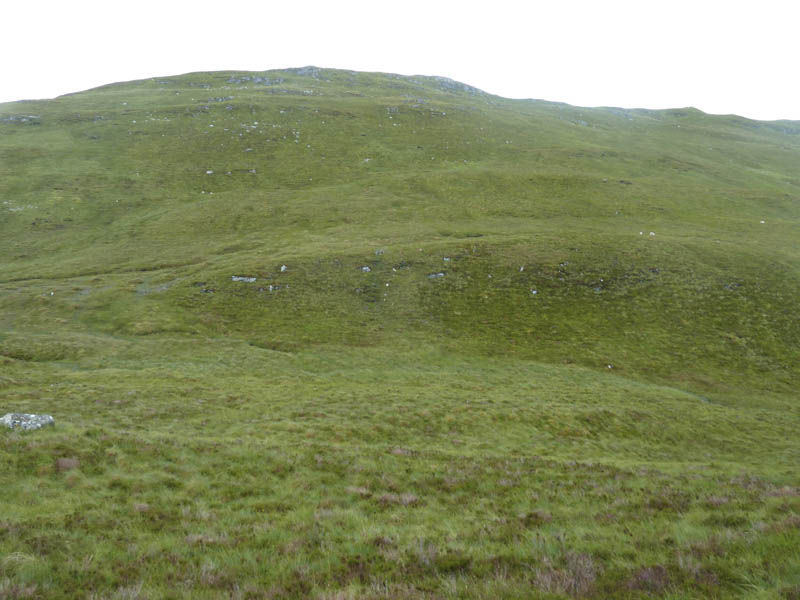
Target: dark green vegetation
x=629, y=430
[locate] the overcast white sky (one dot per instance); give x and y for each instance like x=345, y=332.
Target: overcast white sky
x=721, y=57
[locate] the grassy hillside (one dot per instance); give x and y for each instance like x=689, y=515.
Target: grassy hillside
x=492, y=348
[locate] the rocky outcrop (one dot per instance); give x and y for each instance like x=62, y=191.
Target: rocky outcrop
x=26, y=421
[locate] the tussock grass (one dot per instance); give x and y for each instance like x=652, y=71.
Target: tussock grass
x=331, y=431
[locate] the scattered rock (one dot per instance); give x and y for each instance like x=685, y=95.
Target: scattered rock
x=67, y=464
x=27, y=422
x=402, y=452
x=365, y=269
x=205, y=539
x=256, y=79
x=715, y=501
x=448, y=84
x=245, y=279
x=308, y=71
x=283, y=268
x=359, y=491
x=435, y=275
x=403, y=499
x=784, y=492
x=32, y=119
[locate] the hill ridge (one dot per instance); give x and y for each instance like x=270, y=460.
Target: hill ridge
x=445, y=82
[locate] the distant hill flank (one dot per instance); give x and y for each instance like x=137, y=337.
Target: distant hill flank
x=538, y=214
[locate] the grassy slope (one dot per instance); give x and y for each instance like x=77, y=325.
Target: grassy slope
x=384, y=433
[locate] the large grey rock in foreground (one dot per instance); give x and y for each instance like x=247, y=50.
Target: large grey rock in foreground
x=27, y=422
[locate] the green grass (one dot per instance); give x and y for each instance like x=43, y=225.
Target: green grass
x=628, y=431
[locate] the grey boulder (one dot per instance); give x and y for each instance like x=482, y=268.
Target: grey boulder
x=26, y=421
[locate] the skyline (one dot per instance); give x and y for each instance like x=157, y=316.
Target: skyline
x=722, y=58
